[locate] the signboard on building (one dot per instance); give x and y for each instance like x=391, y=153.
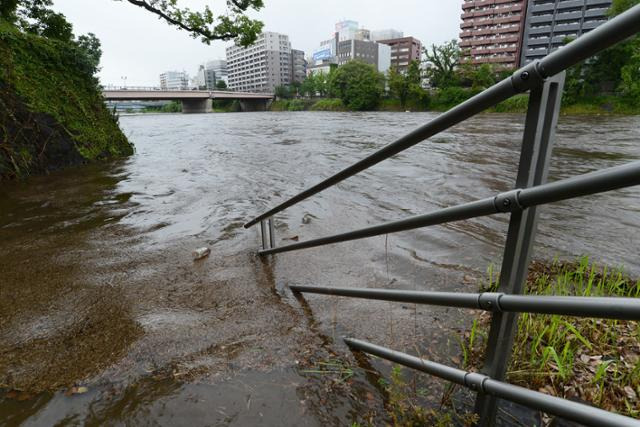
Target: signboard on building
x=322, y=53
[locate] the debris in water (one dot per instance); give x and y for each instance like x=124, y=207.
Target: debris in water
x=77, y=390
x=467, y=279
x=306, y=219
x=201, y=253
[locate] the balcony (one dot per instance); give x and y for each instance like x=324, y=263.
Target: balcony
x=543, y=8
x=569, y=16
x=542, y=41
x=540, y=30
x=603, y=3
x=567, y=27
x=590, y=25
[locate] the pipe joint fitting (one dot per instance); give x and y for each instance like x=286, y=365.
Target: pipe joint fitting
x=508, y=202
x=527, y=77
x=490, y=301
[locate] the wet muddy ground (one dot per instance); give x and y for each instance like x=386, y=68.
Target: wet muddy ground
x=98, y=289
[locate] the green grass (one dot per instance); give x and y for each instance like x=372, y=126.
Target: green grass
x=595, y=360
x=48, y=76
x=405, y=407
x=291, y=105
x=329, y=104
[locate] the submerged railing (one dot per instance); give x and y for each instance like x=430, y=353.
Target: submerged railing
x=545, y=80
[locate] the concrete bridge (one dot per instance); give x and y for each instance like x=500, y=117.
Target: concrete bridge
x=193, y=101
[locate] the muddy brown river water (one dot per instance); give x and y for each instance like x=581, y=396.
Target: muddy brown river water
x=98, y=288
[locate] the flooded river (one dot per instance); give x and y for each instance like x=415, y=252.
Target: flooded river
x=105, y=317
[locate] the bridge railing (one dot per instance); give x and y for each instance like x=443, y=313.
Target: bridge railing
x=134, y=88
x=544, y=79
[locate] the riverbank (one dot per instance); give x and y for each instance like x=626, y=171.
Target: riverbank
x=583, y=359
x=588, y=360
x=52, y=114
x=604, y=105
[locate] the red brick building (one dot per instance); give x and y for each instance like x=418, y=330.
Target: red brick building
x=403, y=51
x=491, y=31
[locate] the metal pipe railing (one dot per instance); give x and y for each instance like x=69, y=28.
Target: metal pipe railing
x=606, y=35
x=591, y=183
x=599, y=307
x=570, y=410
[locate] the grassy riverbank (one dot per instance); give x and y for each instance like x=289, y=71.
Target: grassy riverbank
x=52, y=113
x=583, y=359
x=603, y=105
x=595, y=361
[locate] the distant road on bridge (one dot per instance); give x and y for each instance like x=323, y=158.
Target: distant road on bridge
x=193, y=101
x=169, y=95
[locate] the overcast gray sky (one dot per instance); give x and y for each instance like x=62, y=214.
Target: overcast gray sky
x=139, y=46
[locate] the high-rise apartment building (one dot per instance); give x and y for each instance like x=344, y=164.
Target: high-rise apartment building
x=551, y=23
x=492, y=31
x=174, y=80
x=298, y=66
x=403, y=51
x=261, y=67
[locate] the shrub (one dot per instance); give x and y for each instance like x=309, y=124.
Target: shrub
x=329, y=104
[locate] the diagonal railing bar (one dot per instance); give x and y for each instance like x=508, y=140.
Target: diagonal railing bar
x=591, y=183
x=606, y=35
x=585, y=414
x=600, y=307
x=545, y=80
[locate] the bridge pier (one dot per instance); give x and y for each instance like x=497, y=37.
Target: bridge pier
x=248, y=105
x=191, y=106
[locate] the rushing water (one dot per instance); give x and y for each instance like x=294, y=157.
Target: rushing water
x=98, y=288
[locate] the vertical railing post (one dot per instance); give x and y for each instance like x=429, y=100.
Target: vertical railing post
x=539, y=135
x=263, y=231
x=268, y=232
x=272, y=233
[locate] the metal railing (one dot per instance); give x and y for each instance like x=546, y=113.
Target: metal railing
x=544, y=79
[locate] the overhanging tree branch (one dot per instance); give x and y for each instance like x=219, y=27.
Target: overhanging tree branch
x=233, y=25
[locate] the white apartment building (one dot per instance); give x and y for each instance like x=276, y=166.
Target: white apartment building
x=260, y=67
x=219, y=68
x=174, y=80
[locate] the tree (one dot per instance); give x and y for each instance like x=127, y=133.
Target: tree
x=35, y=16
x=8, y=10
x=610, y=70
x=483, y=77
x=630, y=71
x=283, y=92
x=442, y=61
x=358, y=85
x=92, y=49
x=233, y=24
x=407, y=86
x=619, y=6
x=308, y=86
x=322, y=83
x=398, y=87
x=221, y=85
